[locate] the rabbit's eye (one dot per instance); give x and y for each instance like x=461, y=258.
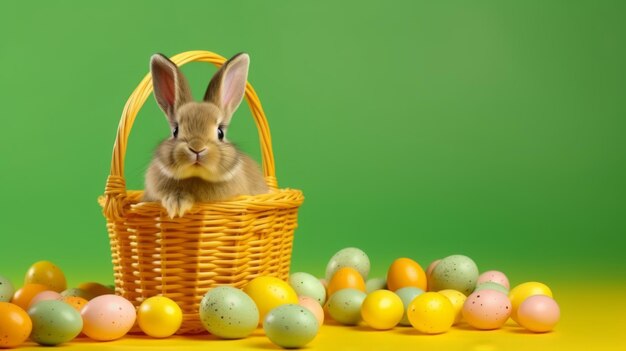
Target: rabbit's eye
x=220, y=133
x=175, y=132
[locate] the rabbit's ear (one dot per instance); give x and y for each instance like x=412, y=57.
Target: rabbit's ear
x=171, y=89
x=227, y=87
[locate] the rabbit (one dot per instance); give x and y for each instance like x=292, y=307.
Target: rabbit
x=197, y=163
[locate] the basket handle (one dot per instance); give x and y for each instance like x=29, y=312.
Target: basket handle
x=115, y=190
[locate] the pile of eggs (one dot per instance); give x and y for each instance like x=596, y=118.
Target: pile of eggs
x=449, y=291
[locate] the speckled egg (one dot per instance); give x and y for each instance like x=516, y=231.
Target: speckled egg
x=491, y=286
x=290, y=326
x=349, y=257
x=54, y=322
x=487, y=309
x=455, y=272
x=6, y=289
x=78, y=293
x=314, y=307
x=344, y=306
x=373, y=284
x=306, y=284
x=494, y=276
x=407, y=294
x=228, y=313
x=108, y=317
x=43, y=296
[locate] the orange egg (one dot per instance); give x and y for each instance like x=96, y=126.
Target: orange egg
x=48, y=274
x=77, y=302
x=15, y=325
x=23, y=296
x=344, y=278
x=406, y=272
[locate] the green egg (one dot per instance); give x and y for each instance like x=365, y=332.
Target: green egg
x=407, y=294
x=228, y=313
x=290, y=326
x=6, y=289
x=349, y=257
x=344, y=306
x=54, y=322
x=375, y=284
x=455, y=272
x=306, y=284
x=492, y=286
x=76, y=292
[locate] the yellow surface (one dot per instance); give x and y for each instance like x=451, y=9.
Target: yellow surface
x=591, y=320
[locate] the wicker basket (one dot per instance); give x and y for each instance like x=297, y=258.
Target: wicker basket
x=224, y=243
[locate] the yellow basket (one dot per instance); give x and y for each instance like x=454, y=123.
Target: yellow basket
x=223, y=243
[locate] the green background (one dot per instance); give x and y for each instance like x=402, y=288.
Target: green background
x=494, y=129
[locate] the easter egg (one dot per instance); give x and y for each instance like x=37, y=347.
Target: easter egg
x=6, y=289
x=269, y=293
x=25, y=294
x=15, y=325
x=491, y=286
x=43, y=296
x=382, y=309
x=93, y=289
x=306, y=284
x=344, y=306
x=48, y=274
x=406, y=295
x=77, y=302
x=290, y=326
x=518, y=294
x=456, y=272
x=375, y=284
x=405, y=272
x=431, y=267
x=108, y=317
x=312, y=305
x=349, y=257
x=346, y=278
x=457, y=299
x=495, y=277
x=431, y=313
x=159, y=317
x=538, y=313
x=78, y=293
x=486, y=309
x=54, y=322
x=229, y=313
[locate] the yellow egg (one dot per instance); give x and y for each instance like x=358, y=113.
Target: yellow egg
x=457, y=299
x=382, y=309
x=48, y=274
x=269, y=293
x=431, y=313
x=518, y=294
x=159, y=317
x=345, y=278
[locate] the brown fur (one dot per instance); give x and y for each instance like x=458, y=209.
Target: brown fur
x=196, y=166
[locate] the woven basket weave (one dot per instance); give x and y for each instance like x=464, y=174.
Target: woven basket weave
x=223, y=243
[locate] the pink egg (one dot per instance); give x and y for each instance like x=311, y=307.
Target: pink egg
x=43, y=296
x=108, y=317
x=312, y=305
x=494, y=276
x=538, y=313
x=487, y=309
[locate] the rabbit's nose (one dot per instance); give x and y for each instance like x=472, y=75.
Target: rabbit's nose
x=197, y=152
